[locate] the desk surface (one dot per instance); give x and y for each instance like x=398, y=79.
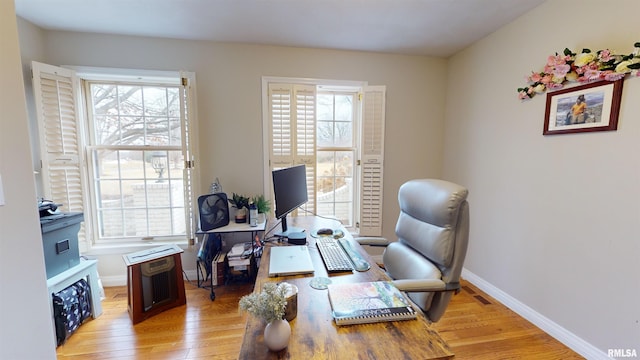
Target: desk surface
x=314, y=334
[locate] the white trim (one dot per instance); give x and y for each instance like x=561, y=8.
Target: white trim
x=129, y=75
x=122, y=248
x=563, y=335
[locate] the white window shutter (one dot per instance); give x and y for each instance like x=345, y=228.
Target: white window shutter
x=292, y=116
x=305, y=138
x=187, y=110
x=281, y=127
x=372, y=160
x=55, y=92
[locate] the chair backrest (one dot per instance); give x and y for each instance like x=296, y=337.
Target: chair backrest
x=433, y=233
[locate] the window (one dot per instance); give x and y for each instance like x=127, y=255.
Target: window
x=336, y=155
x=136, y=160
x=134, y=141
x=336, y=129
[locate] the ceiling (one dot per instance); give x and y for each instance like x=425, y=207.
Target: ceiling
x=418, y=27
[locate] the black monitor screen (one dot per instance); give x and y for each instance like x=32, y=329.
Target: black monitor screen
x=290, y=191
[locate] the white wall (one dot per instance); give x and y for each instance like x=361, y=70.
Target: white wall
x=26, y=328
x=554, y=219
x=229, y=103
x=31, y=49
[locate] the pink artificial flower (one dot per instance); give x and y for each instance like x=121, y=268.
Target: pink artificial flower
x=554, y=86
x=546, y=79
x=605, y=55
x=522, y=95
x=561, y=70
x=535, y=77
x=591, y=74
x=555, y=60
x=613, y=76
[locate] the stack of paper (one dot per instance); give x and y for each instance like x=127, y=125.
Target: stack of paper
x=241, y=250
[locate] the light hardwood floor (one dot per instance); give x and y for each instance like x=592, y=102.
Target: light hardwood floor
x=475, y=326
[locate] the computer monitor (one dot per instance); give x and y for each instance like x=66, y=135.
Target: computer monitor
x=290, y=192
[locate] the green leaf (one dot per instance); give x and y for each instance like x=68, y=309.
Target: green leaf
x=637, y=45
x=567, y=52
x=634, y=66
x=586, y=51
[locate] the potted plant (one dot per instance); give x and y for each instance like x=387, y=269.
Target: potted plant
x=241, y=203
x=263, y=205
x=270, y=305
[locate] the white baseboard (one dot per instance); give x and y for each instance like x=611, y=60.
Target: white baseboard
x=121, y=280
x=561, y=334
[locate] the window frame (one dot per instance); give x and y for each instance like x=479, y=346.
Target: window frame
x=91, y=146
x=336, y=85
x=354, y=148
x=186, y=83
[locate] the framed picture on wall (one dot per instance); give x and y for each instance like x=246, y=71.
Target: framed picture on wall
x=584, y=108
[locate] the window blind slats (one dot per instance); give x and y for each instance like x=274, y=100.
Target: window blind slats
x=188, y=144
x=373, y=118
x=55, y=93
x=292, y=132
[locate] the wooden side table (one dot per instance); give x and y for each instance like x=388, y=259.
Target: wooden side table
x=154, y=281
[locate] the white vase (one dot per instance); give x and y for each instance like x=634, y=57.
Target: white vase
x=276, y=335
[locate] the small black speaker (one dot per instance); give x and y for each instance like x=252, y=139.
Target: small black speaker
x=297, y=238
x=214, y=211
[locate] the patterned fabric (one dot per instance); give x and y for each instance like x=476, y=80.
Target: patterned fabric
x=71, y=307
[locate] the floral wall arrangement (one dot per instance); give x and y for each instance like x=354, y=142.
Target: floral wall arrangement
x=584, y=67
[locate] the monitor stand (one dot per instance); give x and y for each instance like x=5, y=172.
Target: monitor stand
x=287, y=231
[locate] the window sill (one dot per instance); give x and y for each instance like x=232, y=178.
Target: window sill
x=121, y=249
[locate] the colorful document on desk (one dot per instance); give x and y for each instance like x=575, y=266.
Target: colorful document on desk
x=368, y=302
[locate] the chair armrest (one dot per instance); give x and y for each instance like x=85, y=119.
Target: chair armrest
x=372, y=241
x=418, y=285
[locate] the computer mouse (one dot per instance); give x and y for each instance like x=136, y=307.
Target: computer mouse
x=325, y=231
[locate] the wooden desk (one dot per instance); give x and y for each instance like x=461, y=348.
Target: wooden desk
x=314, y=334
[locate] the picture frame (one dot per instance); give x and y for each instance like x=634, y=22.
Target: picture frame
x=585, y=108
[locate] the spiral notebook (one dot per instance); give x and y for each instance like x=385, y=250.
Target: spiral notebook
x=368, y=302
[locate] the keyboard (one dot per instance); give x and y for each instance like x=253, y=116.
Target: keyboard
x=338, y=255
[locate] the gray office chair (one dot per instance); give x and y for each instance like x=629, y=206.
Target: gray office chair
x=433, y=232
